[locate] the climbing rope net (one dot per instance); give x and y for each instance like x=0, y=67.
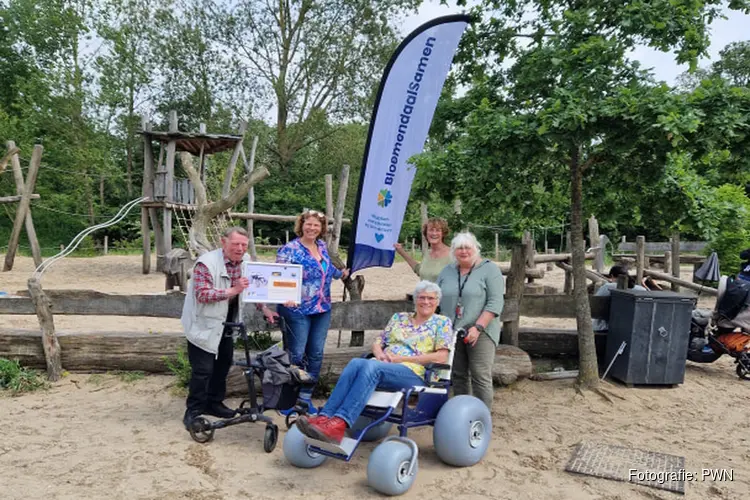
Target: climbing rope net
x=184, y=218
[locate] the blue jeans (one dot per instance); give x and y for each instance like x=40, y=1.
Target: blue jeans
x=359, y=380
x=306, y=338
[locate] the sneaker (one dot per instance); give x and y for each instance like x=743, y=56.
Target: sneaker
x=330, y=430
x=317, y=419
x=220, y=410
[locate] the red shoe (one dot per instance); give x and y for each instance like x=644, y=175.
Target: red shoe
x=330, y=430
x=317, y=419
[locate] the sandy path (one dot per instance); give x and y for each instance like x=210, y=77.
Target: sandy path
x=101, y=438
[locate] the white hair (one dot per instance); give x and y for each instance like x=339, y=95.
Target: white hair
x=429, y=287
x=465, y=240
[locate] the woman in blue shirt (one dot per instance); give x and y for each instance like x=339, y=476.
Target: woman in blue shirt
x=308, y=322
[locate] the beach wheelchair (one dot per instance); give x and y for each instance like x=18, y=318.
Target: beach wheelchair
x=462, y=429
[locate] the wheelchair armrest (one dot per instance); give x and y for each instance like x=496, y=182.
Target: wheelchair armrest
x=429, y=375
x=437, y=366
x=369, y=355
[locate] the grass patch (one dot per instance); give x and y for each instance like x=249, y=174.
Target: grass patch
x=96, y=379
x=18, y=379
x=129, y=376
x=179, y=365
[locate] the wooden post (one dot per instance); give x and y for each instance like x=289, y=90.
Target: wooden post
x=249, y=167
x=568, y=285
x=668, y=262
x=338, y=217
x=425, y=217
x=147, y=189
x=106, y=244
x=50, y=345
x=36, y=252
x=529, y=242
x=550, y=265
x=168, y=193
x=640, y=258
x=23, y=207
x=227, y=187
x=286, y=236
x=568, y=243
x=413, y=247
x=329, y=207
x=514, y=291
x=622, y=282
x=675, y=259
x=497, y=247
x=598, y=264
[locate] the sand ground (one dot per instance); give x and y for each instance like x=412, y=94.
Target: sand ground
x=101, y=437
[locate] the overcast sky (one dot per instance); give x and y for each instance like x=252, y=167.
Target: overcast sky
x=723, y=31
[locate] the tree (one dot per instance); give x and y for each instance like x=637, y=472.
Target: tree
x=125, y=68
x=312, y=59
x=734, y=65
x=570, y=104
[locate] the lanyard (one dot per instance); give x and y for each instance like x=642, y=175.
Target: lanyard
x=460, y=286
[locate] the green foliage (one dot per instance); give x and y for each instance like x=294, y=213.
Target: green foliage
x=179, y=366
x=18, y=379
x=256, y=341
x=326, y=382
x=732, y=211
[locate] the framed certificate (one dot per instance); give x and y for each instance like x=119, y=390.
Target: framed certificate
x=272, y=283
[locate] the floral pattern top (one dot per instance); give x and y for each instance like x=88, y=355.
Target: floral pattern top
x=316, y=276
x=403, y=338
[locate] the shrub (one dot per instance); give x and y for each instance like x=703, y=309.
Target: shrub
x=18, y=379
x=732, y=209
x=179, y=366
x=256, y=341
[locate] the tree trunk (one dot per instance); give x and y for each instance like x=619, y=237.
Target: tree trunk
x=588, y=375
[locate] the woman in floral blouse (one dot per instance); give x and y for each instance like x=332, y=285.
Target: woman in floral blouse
x=309, y=320
x=408, y=342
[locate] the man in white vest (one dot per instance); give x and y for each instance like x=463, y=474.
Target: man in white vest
x=213, y=297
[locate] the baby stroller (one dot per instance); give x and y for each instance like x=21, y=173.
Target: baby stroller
x=280, y=383
x=725, y=329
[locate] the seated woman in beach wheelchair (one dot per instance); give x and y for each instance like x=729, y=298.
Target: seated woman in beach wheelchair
x=406, y=383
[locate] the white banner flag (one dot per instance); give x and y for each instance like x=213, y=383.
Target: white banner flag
x=406, y=101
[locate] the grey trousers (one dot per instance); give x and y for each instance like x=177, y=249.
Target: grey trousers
x=472, y=369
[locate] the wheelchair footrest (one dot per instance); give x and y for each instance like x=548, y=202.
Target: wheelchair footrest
x=345, y=449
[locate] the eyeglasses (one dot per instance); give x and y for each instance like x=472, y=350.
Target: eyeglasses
x=427, y=298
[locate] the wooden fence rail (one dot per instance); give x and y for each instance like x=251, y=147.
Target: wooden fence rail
x=356, y=315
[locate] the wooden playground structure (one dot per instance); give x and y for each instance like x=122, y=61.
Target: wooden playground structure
x=24, y=195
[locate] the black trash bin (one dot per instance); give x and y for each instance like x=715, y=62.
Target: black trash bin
x=656, y=328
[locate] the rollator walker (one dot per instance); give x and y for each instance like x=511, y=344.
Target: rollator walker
x=251, y=410
x=462, y=430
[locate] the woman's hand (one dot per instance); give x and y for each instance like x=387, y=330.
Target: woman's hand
x=290, y=303
x=382, y=356
x=472, y=335
x=344, y=274
x=269, y=315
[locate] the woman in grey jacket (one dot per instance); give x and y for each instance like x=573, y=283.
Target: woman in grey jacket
x=473, y=289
